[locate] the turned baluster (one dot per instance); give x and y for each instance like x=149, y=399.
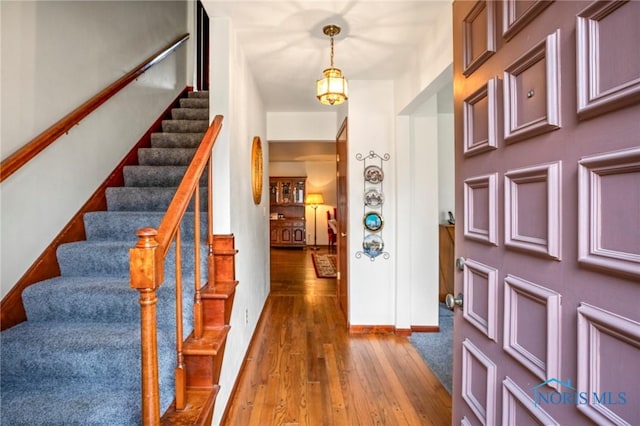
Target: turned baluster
x=197, y=303
x=180, y=374
x=210, y=256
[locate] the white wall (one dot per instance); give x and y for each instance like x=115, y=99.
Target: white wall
x=406, y=285
x=302, y=126
x=235, y=95
x=55, y=56
x=372, y=284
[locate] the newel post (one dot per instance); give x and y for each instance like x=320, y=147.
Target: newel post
x=146, y=276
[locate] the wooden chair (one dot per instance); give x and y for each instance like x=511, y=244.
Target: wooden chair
x=332, y=236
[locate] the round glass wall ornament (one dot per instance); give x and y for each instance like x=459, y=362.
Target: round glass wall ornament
x=373, y=198
x=373, y=221
x=373, y=174
x=372, y=245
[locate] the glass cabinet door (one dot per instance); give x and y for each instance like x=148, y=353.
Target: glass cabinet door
x=285, y=192
x=299, y=192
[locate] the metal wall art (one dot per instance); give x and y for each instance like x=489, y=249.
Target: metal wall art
x=373, y=200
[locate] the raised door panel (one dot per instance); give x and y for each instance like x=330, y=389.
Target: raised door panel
x=297, y=235
x=274, y=234
x=286, y=235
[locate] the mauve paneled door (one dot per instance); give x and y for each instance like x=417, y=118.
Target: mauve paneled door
x=547, y=133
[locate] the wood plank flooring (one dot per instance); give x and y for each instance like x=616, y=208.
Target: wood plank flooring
x=304, y=368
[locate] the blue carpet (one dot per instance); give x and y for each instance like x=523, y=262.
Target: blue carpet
x=437, y=348
x=76, y=360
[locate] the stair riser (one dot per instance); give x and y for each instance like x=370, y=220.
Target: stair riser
x=133, y=199
x=60, y=301
x=150, y=176
x=190, y=114
x=201, y=94
x=165, y=156
x=71, y=359
x=225, y=267
x=176, y=140
x=88, y=259
x=122, y=226
x=185, y=126
x=194, y=103
x=217, y=312
x=203, y=371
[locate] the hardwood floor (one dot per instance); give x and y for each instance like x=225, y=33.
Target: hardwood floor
x=304, y=368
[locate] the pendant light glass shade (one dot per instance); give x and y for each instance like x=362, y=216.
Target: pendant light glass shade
x=332, y=89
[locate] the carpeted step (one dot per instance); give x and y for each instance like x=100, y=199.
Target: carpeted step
x=194, y=103
x=114, y=226
x=203, y=94
x=163, y=176
x=185, y=126
x=101, y=300
x=190, y=113
x=61, y=352
x=60, y=361
x=74, y=406
x=134, y=199
x=176, y=140
x=111, y=259
x=165, y=156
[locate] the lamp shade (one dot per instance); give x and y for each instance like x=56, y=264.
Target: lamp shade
x=314, y=199
x=332, y=89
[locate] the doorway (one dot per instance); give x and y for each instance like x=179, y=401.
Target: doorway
x=316, y=162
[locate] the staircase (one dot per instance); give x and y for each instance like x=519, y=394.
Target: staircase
x=76, y=360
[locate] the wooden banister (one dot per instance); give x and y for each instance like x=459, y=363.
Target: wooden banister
x=23, y=155
x=147, y=263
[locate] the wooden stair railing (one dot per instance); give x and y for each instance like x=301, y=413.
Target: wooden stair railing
x=23, y=155
x=147, y=263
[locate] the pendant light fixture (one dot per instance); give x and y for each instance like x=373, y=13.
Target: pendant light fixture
x=332, y=89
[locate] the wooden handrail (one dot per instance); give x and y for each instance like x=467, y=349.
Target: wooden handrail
x=23, y=155
x=147, y=262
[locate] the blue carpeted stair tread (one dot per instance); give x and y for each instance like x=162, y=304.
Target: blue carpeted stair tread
x=99, y=300
x=146, y=198
x=111, y=258
x=155, y=176
x=76, y=360
x=165, y=156
x=190, y=113
x=122, y=225
x=176, y=140
x=81, y=407
x=194, y=103
x=60, y=352
x=185, y=126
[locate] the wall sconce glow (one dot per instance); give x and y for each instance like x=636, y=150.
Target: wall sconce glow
x=332, y=89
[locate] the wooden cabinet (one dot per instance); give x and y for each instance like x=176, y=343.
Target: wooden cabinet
x=447, y=239
x=286, y=199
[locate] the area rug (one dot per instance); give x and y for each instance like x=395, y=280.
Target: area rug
x=437, y=348
x=325, y=265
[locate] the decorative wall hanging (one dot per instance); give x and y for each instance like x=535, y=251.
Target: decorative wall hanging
x=373, y=200
x=256, y=170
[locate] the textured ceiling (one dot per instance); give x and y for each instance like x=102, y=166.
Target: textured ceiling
x=284, y=39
